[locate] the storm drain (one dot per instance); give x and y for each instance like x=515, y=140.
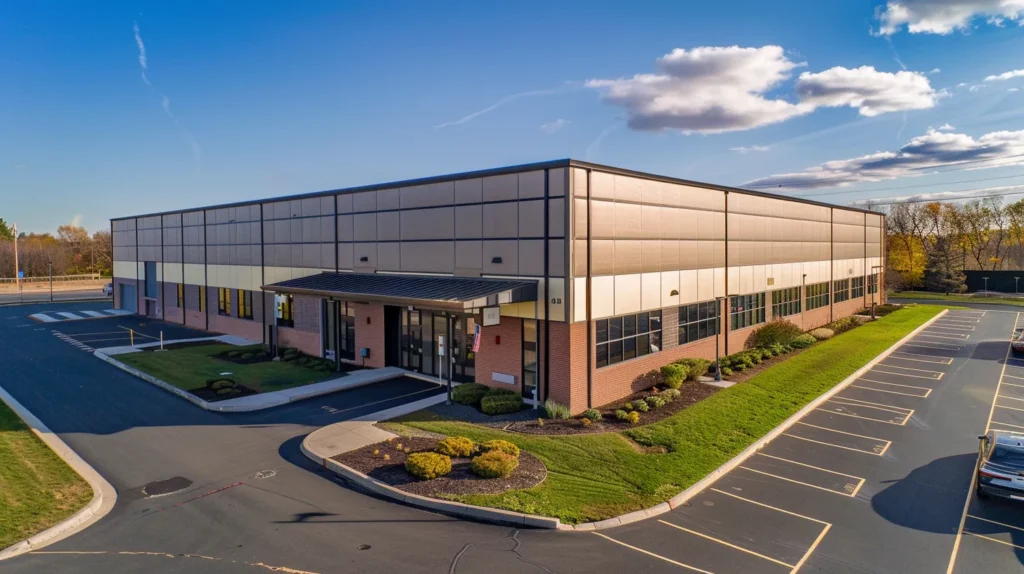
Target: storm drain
x=165, y=487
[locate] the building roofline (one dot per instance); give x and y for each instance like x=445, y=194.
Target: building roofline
x=552, y=164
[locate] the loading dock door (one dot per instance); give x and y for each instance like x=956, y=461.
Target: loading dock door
x=129, y=298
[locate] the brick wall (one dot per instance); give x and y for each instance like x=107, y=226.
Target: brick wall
x=250, y=329
x=370, y=335
x=308, y=343
x=172, y=313
x=506, y=357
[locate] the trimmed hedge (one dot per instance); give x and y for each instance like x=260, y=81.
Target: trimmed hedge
x=821, y=333
x=499, y=445
x=494, y=464
x=778, y=331
x=469, y=393
x=500, y=404
x=455, y=446
x=428, y=465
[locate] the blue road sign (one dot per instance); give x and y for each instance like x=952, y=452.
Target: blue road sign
x=21, y=274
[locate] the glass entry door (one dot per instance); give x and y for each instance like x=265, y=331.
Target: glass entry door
x=412, y=340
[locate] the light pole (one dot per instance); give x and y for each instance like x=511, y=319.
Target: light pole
x=874, y=288
x=51, y=280
x=718, y=332
x=17, y=280
x=803, y=298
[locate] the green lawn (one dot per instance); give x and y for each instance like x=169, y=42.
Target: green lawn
x=964, y=298
x=189, y=368
x=592, y=477
x=37, y=490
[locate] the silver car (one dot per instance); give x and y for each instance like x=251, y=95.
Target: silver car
x=108, y=289
x=1001, y=466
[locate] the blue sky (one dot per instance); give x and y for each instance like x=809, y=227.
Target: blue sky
x=271, y=98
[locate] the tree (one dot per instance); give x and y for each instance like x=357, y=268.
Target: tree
x=944, y=272
x=6, y=232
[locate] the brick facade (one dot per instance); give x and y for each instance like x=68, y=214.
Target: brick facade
x=505, y=357
x=370, y=334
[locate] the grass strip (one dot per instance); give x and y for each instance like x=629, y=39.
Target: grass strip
x=37, y=488
x=593, y=477
x=189, y=368
x=957, y=298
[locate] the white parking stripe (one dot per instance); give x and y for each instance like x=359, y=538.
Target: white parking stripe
x=43, y=317
x=93, y=313
x=68, y=315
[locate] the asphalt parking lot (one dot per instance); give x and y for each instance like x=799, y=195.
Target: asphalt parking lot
x=99, y=332
x=874, y=480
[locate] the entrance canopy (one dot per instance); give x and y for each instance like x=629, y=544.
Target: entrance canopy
x=446, y=293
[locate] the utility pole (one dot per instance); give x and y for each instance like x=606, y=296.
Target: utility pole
x=17, y=281
x=51, y=280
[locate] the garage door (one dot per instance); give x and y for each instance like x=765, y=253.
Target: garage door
x=129, y=298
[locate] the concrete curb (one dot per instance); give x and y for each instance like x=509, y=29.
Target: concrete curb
x=59, y=301
x=355, y=478
x=275, y=399
x=460, y=510
x=103, y=493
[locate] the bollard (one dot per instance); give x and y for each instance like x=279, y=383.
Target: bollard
x=131, y=336
x=161, y=340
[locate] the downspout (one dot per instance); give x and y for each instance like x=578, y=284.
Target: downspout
x=590, y=326
x=728, y=302
x=547, y=298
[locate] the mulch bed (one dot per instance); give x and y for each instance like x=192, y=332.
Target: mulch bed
x=211, y=396
x=173, y=346
x=460, y=481
x=691, y=393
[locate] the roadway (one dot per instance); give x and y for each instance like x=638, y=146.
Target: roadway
x=11, y=297
x=876, y=480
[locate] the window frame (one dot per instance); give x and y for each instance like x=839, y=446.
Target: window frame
x=752, y=310
x=244, y=304
x=871, y=284
x=181, y=295
x=703, y=325
x=816, y=295
x=840, y=290
x=287, y=318
x=857, y=287
x=622, y=347
x=791, y=305
x=224, y=301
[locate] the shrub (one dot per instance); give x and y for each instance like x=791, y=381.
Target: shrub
x=494, y=464
x=428, y=465
x=726, y=371
x=655, y=402
x=501, y=393
x=501, y=404
x=627, y=407
x=246, y=356
x=455, y=446
x=500, y=445
x=469, y=393
x=321, y=368
x=671, y=395
x=843, y=325
x=621, y=415
x=674, y=375
x=593, y=415
x=641, y=405
x=586, y=422
x=225, y=384
x=555, y=410
x=694, y=367
x=778, y=349
x=633, y=417
x=803, y=341
x=821, y=333
x=234, y=354
x=777, y=331
x=227, y=391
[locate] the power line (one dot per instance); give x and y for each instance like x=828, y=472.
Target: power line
x=936, y=168
x=909, y=186
x=1020, y=191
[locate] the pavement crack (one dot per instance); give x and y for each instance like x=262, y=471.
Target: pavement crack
x=455, y=560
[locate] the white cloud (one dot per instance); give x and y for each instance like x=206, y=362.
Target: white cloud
x=935, y=71
x=753, y=148
x=965, y=195
x=916, y=157
x=706, y=89
x=721, y=89
x=1013, y=89
x=962, y=85
x=1005, y=76
x=976, y=87
x=552, y=127
x=944, y=16
x=945, y=128
x=870, y=91
x=143, y=63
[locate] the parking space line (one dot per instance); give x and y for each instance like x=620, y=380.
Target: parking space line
x=814, y=545
x=99, y=340
x=782, y=510
x=856, y=488
x=925, y=334
x=834, y=445
x=1011, y=398
x=871, y=405
x=938, y=378
x=899, y=424
x=936, y=345
x=137, y=333
x=729, y=544
x=924, y=396
x=939, y=360
x=1008, y=408
x=994, y=522
x=658, y=556
x=1013, y=385
x=974, y=475
x=1004, y=424
x=951, y=328
x=1013, y=377
x=992, y=539
x=888, y=443
x=939, y=373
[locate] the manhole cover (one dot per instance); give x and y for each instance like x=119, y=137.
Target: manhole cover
x=165, y=487
x=264, y=474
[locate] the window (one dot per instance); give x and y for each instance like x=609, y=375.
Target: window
x=244, y=304
x=530, y=359
x=746, y=310
x=202, y=298
x=817, y=295
x=284, y=311
x=856, y=287
x=697, y=321
x=181, y=295
x=347, y=328
x=785, y=302
x=873, y=283
x=628, y=337
x=223, y=301
x=840, y=290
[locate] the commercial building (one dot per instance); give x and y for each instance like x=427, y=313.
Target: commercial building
x=564, y=280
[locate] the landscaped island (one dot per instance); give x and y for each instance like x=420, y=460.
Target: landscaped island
x=593, y=476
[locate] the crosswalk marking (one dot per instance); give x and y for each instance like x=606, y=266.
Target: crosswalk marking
x=58, y=316
x=69, y=315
